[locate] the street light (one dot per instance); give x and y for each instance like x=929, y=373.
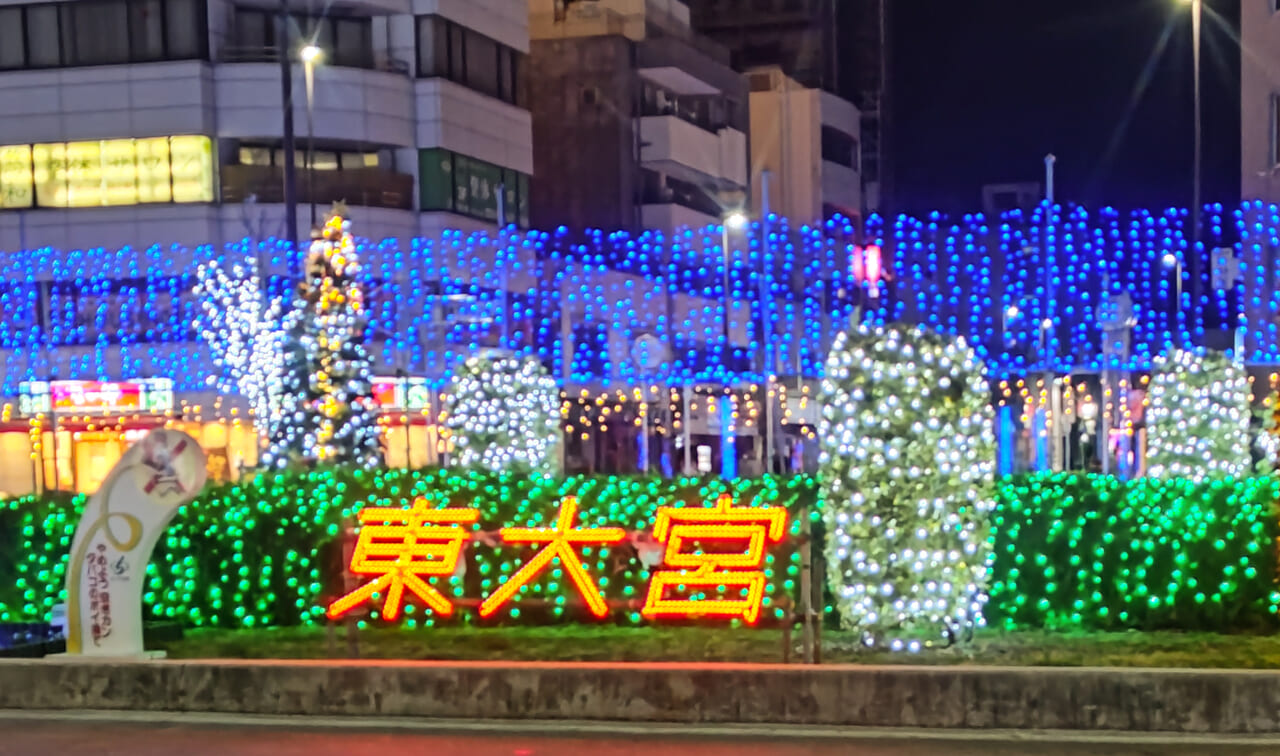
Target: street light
x=1171, y=260
x=1197, y=11
x=735, y=220
x=311, y=54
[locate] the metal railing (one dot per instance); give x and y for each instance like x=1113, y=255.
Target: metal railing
x=360, y=187
x=233, y=53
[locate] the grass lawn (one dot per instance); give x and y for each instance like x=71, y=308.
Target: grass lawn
x=588, y=643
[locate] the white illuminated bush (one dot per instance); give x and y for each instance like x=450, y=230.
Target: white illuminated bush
x=503, y=415
x=908, y=454
x=1198, y=422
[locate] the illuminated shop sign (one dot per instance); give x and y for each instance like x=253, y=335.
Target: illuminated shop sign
x=107, y=172
x=149, y=396
x=401, y=393
x=708, y=562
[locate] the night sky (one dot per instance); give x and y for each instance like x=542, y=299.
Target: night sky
x=983, y=89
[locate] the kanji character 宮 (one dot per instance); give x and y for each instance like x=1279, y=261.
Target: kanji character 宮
x=698, y=568
x=402, y=547
x=560, y=542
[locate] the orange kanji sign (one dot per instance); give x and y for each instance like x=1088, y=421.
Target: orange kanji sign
x=423, y=543
x=560, y=542
x=675, y=526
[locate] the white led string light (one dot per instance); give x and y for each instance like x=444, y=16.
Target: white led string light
x=907, y=481
x=242, y=328
x=503, y=415
x=1198, y=422
x=328, y=413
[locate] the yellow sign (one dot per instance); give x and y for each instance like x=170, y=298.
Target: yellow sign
x=107, y=172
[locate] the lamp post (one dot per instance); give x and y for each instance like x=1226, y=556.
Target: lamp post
x=286, y=100
x=1197, y=12
x=734, y=220
x=311, y=54
x=1171, y=260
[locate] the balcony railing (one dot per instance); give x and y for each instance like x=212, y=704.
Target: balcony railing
x=233, y=53
x=361, y=187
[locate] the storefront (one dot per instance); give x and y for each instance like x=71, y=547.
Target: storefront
x=409, y=410
x=67, y=435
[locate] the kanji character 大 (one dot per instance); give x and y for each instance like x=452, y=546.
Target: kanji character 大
x=561, y=541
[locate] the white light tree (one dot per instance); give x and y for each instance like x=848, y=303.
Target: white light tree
x=503, y=415
x=1200, y=415
x=241, y=325
x=907, y=479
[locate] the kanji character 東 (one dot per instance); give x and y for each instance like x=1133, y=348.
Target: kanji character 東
x=402, y=547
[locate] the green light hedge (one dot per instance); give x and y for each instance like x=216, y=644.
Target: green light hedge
x=1086, y=552
x=267, y=553
x=1099, y=553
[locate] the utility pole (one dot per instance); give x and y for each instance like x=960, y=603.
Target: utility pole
x=290, y=169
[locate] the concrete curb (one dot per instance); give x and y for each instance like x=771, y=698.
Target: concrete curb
x=974, y=698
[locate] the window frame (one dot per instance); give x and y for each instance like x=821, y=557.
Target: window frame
x=64, y=24
x=452, y=63
x=514, y=183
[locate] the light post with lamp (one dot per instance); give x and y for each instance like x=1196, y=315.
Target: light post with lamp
x=735, y=220
x=1197, y=12
x=1172, y=261
x=311, y=54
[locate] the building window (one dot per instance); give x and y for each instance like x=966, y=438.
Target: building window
x=346, y=41
x=459, y=184
x=840, y=148
x=107, y=172
x=325, y=159
x=101, y=32
x=451, y=51
x=1275, y=129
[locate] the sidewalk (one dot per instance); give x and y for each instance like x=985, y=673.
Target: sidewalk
x=1097, y=700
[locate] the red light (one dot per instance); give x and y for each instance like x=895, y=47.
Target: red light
x=425, y=543
x=871, y=264
x=756, y=526
x=560, y=541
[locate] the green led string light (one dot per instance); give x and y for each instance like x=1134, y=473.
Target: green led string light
x=267, y=553
x=1098, y=553
x=1071, y=551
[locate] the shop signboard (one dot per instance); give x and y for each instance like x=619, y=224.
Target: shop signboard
x=395, y=394
x=147, y=396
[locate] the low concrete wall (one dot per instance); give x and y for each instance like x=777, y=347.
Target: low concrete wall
x=1189, y=701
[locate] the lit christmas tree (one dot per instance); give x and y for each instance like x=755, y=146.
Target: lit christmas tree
x=1198, y=423
x=328, y=413
x=503, y=415
x=908, y=456
x=241, y=325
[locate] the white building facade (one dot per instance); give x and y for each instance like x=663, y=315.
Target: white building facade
x=130, y=122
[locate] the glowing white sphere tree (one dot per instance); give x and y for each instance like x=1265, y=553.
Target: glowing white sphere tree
x=1198, y=422
x=503, y=415
x=907, y=479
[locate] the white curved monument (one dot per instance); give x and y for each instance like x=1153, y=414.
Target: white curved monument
x=113, y=542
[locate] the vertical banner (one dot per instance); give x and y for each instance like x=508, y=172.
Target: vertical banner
x=117, y=532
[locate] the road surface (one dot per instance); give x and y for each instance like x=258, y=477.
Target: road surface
x=108, y=734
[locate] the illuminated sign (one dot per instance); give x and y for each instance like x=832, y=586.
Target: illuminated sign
x=149, y=395
x=420, y=544
x=712, y=563
x=107, y=172
x=401, y=393
x=713, y=570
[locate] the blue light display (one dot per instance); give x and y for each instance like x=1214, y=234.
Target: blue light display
x=1024, y=288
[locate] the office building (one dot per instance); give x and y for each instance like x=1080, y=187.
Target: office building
x=807, y=139
x=141, y=121
x=637, y=121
